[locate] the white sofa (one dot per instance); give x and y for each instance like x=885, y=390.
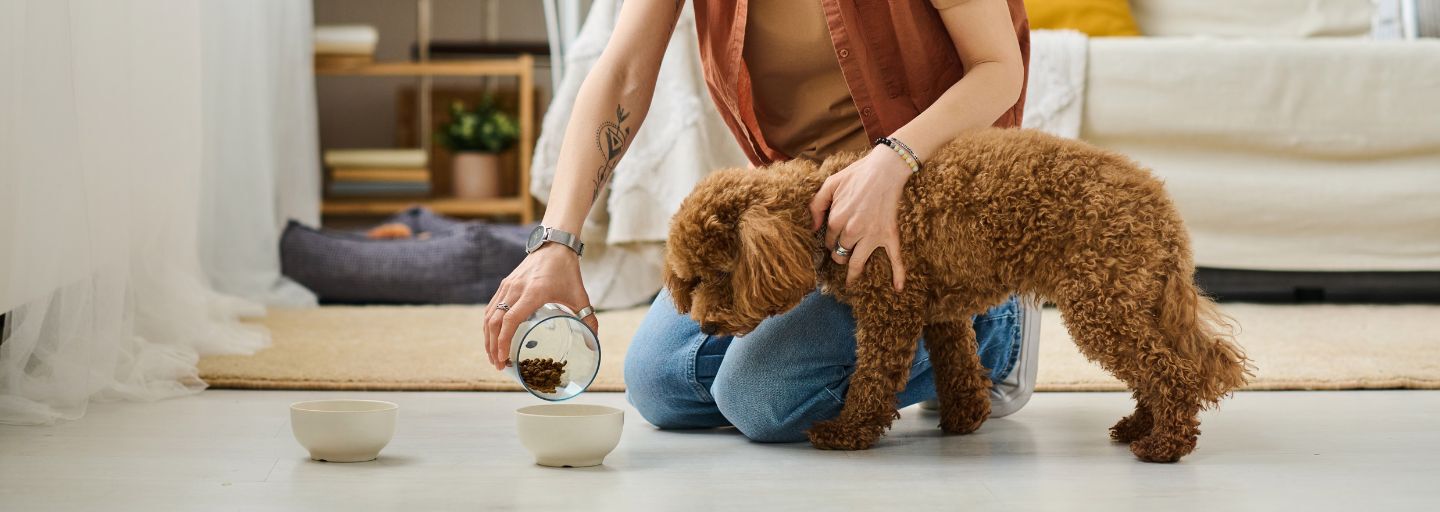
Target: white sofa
x=1290, y=139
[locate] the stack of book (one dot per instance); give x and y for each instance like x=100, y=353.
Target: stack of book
x=342, y=46
x=377, y=172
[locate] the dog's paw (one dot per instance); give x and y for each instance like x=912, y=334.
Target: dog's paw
x=837, y=435
x=1131, y=428
x=1158, y=448
x=964, y=421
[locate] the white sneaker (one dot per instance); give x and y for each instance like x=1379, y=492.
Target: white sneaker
x=1011, y=394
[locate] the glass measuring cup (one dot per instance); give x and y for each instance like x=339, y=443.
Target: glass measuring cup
x=554, y=355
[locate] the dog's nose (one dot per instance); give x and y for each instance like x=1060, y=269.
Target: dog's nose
x=709, y=328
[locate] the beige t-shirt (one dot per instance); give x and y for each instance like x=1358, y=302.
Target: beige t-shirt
x=801, y=101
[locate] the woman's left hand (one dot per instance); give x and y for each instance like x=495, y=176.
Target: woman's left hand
x=863, y=201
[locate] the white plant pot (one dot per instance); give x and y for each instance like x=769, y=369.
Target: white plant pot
x=476, y=175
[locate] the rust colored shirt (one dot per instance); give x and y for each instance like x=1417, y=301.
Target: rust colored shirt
x=896, y=58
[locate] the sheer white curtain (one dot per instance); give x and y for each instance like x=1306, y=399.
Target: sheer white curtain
x=261, y=149
x=103, y=153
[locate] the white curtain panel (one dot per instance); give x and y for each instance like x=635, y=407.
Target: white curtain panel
x=103, y=138
x=260, y=157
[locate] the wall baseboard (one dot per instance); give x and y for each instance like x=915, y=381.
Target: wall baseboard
x=1233, y=285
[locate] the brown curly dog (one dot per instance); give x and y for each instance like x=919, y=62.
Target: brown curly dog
x=995, y=212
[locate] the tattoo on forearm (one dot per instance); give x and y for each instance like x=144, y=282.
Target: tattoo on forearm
x=611, y=139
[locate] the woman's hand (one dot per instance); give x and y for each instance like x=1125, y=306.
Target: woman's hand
x=550, y=274
x=863, y=201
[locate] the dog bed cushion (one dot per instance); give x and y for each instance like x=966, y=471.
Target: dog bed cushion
x=425, y=220
x=459, y=263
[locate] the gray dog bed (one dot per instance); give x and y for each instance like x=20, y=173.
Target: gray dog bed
x=457, y=263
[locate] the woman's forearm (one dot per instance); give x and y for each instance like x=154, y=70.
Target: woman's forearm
x=976, y=101
x=609, y=109
x=984, y=37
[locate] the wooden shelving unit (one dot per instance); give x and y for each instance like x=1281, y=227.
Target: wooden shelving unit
x=482, y=67
x=522, y=67
x=453, y=207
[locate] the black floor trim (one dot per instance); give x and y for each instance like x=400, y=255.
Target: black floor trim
x=1320, y=287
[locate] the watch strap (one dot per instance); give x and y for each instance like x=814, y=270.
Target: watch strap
x=564, y=238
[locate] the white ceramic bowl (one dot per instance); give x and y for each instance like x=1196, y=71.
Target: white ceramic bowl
x=343, y=430
x=569, y=435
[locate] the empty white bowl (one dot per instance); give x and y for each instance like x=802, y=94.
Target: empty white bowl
x=343, y=430
x=569, y=435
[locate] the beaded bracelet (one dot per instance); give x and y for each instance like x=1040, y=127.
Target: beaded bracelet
x=901, y=149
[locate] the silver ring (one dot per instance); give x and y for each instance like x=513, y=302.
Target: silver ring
x=842, y=252
x=585, y=311
x=502, y=306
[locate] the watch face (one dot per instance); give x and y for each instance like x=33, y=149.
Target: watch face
x=536, y=236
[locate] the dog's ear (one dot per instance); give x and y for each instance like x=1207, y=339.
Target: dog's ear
x=680, y=289
x=776, y=267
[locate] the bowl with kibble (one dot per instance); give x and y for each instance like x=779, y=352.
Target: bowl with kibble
x=554, y=355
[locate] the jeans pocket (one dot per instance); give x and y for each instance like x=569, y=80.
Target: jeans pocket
x=839, y=382
x=705, y=358
x=999, y=340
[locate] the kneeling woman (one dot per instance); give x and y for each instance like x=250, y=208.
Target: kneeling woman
x=792, y=79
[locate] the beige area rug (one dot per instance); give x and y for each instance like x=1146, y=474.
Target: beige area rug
x=440, y=348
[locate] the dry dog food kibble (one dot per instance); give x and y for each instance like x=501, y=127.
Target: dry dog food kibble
x=542, y=374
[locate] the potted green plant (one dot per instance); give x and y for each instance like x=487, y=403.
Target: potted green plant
x=475, y=139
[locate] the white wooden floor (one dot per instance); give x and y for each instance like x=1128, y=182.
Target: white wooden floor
x=232, y=450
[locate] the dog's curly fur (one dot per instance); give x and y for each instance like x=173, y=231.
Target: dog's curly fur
x=995, y=212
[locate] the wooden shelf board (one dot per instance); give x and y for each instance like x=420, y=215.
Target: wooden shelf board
x=480, y=67
x=447, y=206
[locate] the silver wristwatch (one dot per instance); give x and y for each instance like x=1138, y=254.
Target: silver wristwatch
x=542, y=234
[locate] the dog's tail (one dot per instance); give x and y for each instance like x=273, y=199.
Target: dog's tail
x=1203, y=335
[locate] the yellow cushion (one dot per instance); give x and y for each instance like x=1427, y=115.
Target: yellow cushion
x=1096, y=18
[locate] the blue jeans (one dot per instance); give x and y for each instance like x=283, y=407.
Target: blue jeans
x=773, y=383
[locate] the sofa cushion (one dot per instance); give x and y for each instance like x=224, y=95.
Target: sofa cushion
x=1304, y=155
x=1254, y=18
x=1096, y=18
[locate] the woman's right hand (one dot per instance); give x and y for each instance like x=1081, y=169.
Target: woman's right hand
x=550, y=274
x=610, y=106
